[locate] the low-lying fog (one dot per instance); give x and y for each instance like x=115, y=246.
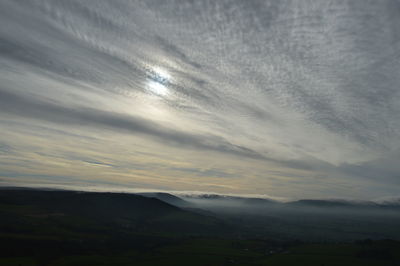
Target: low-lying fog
x=317, y=220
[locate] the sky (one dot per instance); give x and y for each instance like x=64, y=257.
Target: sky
x=292, y=99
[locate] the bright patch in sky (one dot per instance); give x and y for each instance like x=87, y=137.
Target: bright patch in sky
x=157, y=88
x=158, y=81
x=161, y=75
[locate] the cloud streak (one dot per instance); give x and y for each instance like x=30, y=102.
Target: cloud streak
x=38, y=109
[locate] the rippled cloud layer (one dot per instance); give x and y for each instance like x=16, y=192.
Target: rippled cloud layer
x=286, y=98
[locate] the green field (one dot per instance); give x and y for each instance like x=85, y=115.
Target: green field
x=232, y=252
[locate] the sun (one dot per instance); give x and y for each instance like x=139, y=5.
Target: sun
x=161, y=74
x=157, y=88
x=158, y=81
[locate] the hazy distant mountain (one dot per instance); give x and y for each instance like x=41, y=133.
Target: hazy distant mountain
x=231, y=201
x=166, y=197
x=258, y=201
x=227, y=199
x=331, y=203
x=390, y=202
x=346, y=204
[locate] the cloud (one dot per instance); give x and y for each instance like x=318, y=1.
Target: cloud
x=212, y=172
x=308, y=87
x=38, y=109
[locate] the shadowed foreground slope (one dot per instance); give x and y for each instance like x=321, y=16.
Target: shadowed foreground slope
x=82, y=228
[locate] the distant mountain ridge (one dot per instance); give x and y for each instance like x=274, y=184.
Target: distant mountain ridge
x=179, y=199
x=166, y=197
x=306, y=202
x=112, y=214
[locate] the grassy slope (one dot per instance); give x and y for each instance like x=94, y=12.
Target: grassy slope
x=68, y=228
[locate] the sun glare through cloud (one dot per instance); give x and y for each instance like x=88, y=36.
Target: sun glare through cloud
x=158, y=81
